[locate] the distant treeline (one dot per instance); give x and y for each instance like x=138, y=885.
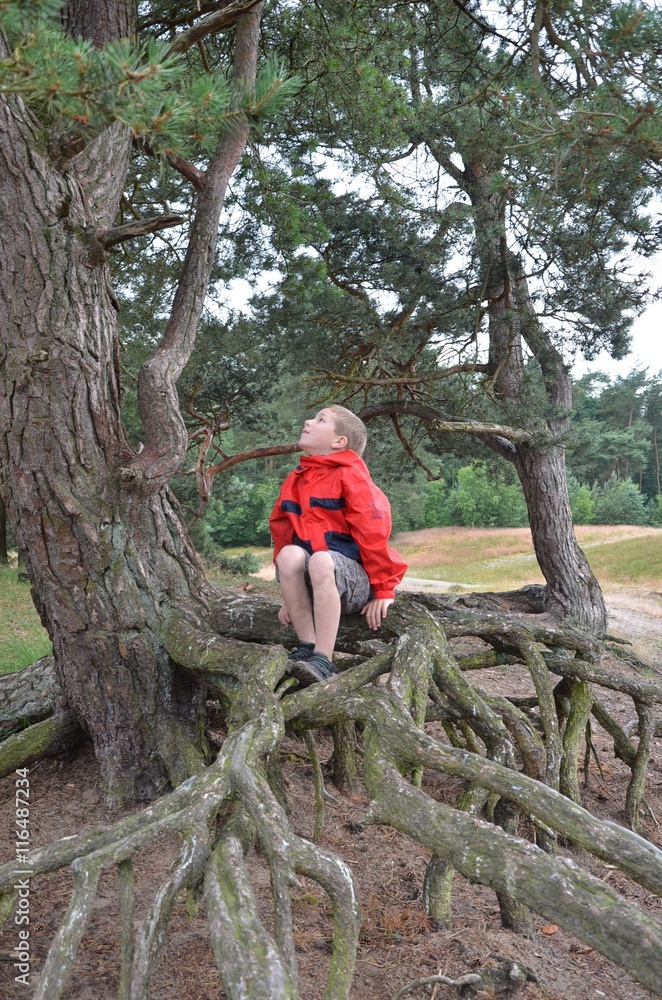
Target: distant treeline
x=613, y=474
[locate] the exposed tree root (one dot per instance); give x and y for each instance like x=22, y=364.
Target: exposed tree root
x=29, y=696
x=513, y=756
x=48, y=738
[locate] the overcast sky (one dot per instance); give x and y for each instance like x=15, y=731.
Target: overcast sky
x=646, y=340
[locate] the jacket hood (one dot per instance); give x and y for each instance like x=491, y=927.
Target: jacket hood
x=334, y=459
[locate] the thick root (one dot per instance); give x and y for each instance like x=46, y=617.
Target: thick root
x=424, y=680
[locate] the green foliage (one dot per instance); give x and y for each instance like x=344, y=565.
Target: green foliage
x=480, y=502
x=144, y=85
x=582, y=503
x=618, y=501
x=656, y=512
x=479, y=498
x=616, y=427
x=435, y=512
x=237, y=515
x=407, y=501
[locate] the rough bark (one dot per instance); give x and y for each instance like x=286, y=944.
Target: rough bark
x=573, y=593
x=103, y=543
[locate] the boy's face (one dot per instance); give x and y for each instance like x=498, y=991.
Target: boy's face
x=319, y=435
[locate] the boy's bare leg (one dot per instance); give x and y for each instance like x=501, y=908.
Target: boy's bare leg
x=291, y=563
x=326, y=601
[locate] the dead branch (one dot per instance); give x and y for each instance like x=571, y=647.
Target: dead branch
x=141, y=227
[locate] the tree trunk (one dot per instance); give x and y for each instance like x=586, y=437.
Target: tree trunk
x=4, y=555
x=104, y=560
x=106, y=552
x=573, y=593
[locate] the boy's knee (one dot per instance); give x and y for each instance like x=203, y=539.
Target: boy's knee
x=321, y=568
x=291, y=559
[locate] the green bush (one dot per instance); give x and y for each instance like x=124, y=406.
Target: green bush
x=582, y=504
x=478, y=501
x=407, y=501
x=237, y=515
x=241, y=565
x=435, y=512
x=618, y=501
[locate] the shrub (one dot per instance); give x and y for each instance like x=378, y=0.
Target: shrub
x=407, y=501
x=241, y=565
x=435, y=513
x=477, y=501
x=582, y=503
x=619, y=501
x=237, y=515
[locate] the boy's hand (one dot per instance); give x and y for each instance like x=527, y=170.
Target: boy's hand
x=284, y=615
x=375, y=611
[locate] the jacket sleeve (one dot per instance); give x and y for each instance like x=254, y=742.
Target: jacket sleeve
x=280, y=527
x=368, y=514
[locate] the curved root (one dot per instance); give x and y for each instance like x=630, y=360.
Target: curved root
x=424, y=677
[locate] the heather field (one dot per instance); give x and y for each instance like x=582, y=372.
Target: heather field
x=503, y=559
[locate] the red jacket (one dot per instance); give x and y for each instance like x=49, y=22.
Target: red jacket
x=329, y=502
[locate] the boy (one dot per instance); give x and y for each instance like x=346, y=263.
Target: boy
x=330, y=527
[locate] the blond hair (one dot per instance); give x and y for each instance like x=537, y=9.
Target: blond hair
x=350, y=426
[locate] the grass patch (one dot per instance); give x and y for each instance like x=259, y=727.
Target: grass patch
x=23, y=639
x=19, y=653
x=631, y=561
x=264, y=555
x=503, y=559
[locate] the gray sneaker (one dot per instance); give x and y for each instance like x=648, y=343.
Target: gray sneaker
x=303, y=652
x=316, y=668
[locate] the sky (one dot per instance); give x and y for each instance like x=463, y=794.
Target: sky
x=646, y=349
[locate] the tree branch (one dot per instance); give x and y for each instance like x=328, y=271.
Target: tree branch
x=443, y=425
x=165, y=435
x=205, y=477
x=193, y=174
x=141, y=227
x=405, y=379
x=408, y=448
x=220, y=20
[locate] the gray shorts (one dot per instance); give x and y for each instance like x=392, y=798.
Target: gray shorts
x=351, y=580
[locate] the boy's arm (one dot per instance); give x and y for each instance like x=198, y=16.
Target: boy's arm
x=375, y=611
x=280, y=528
x=368, y=514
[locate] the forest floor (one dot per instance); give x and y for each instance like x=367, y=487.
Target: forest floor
x=398, y=944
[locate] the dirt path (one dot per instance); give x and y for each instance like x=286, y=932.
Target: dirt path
x=637, y=617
